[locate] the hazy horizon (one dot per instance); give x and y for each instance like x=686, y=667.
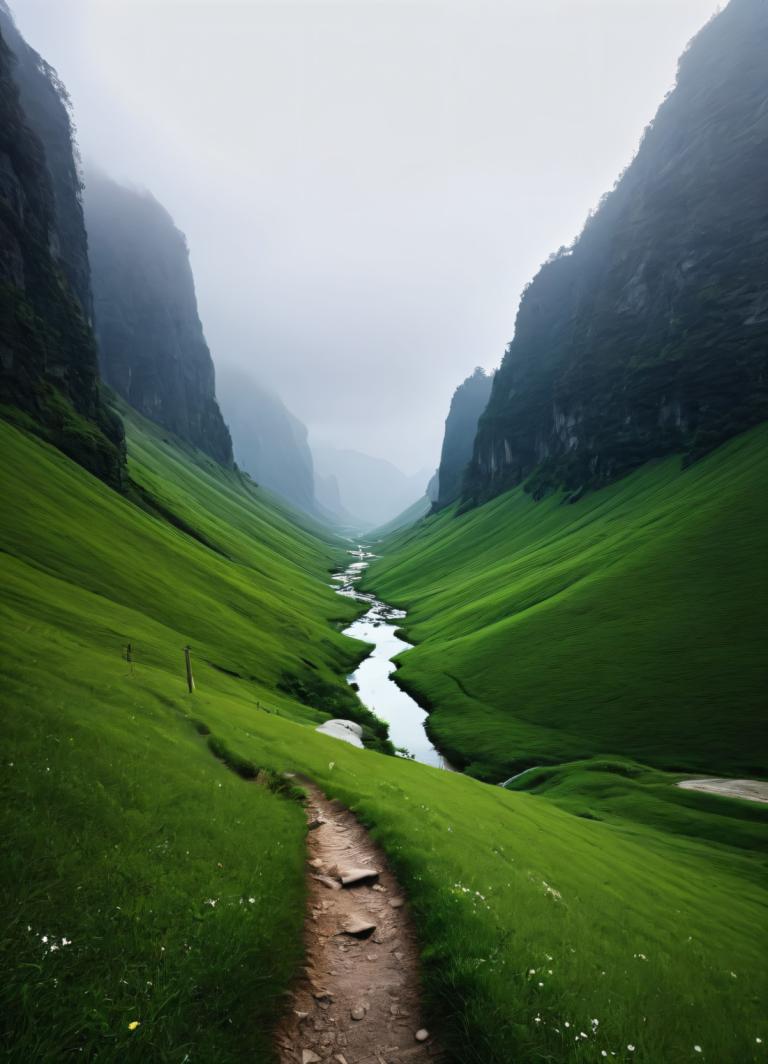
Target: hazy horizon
x=365, y=187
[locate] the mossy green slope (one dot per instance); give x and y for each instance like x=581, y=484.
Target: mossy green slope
x=628, y=623
x=126, y=837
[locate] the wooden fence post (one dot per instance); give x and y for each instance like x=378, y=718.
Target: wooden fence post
x=188, y=660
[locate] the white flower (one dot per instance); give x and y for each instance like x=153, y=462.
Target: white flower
x=603, y=1053
x=531, y=971
x=759, y=1041
x=631, y=1048
x=252, y=901
x=697, y=1049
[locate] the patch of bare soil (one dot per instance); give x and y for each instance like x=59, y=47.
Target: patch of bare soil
x=359, y=999
x=752, y=790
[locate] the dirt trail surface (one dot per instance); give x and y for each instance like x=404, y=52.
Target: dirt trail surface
x=359, y=999
x=752, y=790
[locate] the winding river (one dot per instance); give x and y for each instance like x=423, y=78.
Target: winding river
x=373, y=677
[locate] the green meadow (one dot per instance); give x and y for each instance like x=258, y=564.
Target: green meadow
x=629, y=623
x=152, y=879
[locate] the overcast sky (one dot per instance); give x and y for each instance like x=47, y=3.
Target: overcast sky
x=365, y=186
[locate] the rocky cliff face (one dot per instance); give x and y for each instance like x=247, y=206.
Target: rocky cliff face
x=48, y=366
x=152, y=350
x=650, y=335
x=269, y=442
x=46, y=107
x=469, y=401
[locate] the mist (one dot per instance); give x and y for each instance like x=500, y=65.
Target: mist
x=365, y=187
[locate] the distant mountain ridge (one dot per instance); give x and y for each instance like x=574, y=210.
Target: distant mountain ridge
x=270, y=443
x=152, y=349
x=650, y=335
x=371, y=490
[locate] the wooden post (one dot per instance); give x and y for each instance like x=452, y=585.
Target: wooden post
x=188, y=660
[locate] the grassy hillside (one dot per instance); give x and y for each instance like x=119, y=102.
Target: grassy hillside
x=627, y=623
x=177, y=884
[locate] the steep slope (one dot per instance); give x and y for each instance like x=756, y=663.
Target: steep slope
x=152, y=350
x=627, y=623
x=48, y=369
x=649, y=336
x=468, y=403
x=269, y=442
x=153, y=898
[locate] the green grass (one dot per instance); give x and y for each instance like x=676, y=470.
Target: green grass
x=120, y=825
x=628, y=623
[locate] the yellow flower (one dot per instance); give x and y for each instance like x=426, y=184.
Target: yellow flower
x=133, y=1025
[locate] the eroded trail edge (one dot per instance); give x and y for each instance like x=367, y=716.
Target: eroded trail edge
x=359, y=1001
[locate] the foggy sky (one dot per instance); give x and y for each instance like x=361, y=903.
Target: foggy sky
x=365, y=186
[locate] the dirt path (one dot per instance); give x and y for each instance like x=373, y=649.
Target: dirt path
x=752, y=790
x=359, y=1000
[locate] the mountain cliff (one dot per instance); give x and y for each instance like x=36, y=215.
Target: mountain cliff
x=48, y=365
x=468, y=403
x=47, y=110
x=649, y=335
x=270, y=443
x=152, y=350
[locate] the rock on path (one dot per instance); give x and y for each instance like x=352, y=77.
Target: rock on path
x=752, y=790
x=359, y=1000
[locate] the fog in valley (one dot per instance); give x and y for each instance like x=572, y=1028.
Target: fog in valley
x=365, y=187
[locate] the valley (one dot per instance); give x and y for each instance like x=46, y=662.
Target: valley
x=313, y=757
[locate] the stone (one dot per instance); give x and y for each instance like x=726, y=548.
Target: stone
x=357, y=1013
x=331, y=884
x=358, y=926
x=396, y=903
x=351, y=876
x=422, y=1034
x=308, y=1057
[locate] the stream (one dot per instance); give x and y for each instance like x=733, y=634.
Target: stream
x=373, y=677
